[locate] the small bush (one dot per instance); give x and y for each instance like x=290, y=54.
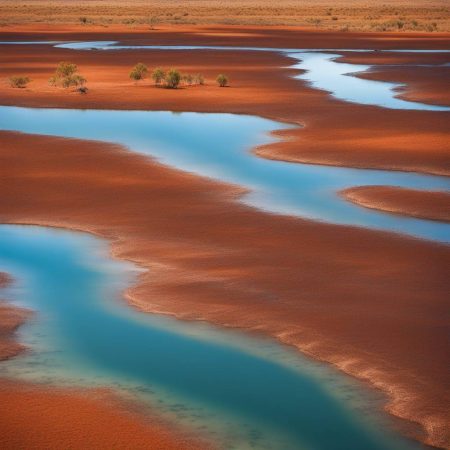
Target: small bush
x=139, y=72
x=158, y=76
x=66, y=76
x=82, y=90
x=83, y=19
x=222, y=80
x=188, y=79
x=65, y=69
x=152, y=21
x=198, y=79
x=19, y=82
x=73, y=80
x=173, y=78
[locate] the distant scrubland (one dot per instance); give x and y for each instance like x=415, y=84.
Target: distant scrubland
x=351, y=15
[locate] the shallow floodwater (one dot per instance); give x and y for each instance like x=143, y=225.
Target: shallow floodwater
x=219, y=146
x=322, y=71
x=244, y=392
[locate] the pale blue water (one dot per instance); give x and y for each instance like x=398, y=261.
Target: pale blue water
x=322, y=70
x=219, y=146
x=246, y=393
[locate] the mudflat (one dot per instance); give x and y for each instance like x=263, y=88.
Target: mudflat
x=326, y=289
x=422, y=204
x=356, y=298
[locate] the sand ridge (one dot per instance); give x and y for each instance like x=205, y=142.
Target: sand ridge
x=431, y=205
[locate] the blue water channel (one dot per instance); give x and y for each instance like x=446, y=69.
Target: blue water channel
x=243, y=392
x=219, y=146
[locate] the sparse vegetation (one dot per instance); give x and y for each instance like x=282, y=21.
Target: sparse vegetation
x=222, y=80
x=66, y=76
x=173, y=78
x=198, y=79
x=188, y=79
x=152, y=21
x=139, y=72
x=19, y=82
x=354, y=15
x=158, y=76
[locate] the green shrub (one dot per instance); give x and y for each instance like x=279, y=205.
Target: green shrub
x=18, y=82
x=139, y=72
x=173, y=78
x=65, y=69
x=66, y=76
x=73, y=80
x=158, y=76
x=222, y=80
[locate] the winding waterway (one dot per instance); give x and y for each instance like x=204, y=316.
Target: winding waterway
x=219, y=146
x=244, y=392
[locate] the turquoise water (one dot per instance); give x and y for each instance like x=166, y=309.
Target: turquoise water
x=246, y=393
x=219, y=146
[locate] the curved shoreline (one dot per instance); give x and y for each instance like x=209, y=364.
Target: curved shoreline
x=392, y=140
x=359, y=369
x=431, y=205
x=38, y=416
x=173, y=279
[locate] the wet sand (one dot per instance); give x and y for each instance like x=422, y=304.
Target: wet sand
x=421, y=83
x=43, y=418
x=328, y=290
x=37, y=417
x=10, y=319
x=422, y=204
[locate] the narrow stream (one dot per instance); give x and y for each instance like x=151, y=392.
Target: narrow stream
x=244, y=392
x=219, y=146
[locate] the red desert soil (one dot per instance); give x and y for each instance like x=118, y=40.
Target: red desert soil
x=10, y=319
x=356, y=298
x=433, y=205
x=39, y=418
x=421, y=82
x=334, y=132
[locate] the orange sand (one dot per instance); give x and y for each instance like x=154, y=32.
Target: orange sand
x=423, y=204
x=334, y=132
x=39, y=418
x=325, y=289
